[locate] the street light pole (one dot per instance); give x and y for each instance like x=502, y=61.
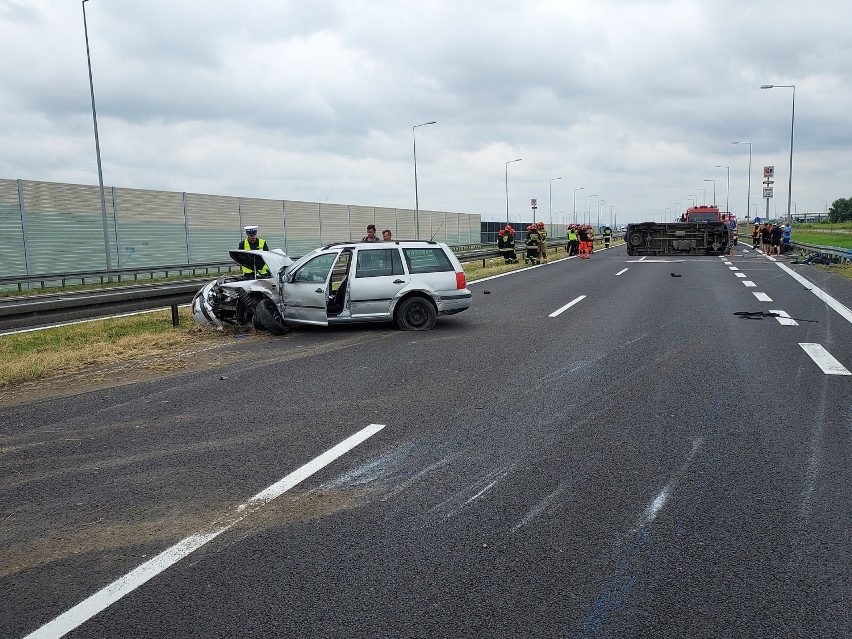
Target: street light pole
x=589, y=208
x=507, y=187
x=792, y=124
x=550, y=186
x=703, y=197
x=97, y=145
x=727, y=188
x=714, y=190
x=748, y=197
x=416, y=195
x=579, y=188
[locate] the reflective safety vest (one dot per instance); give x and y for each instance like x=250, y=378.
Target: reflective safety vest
x=572, y=236
x=261, y=246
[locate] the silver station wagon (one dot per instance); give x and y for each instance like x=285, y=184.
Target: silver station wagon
x=409, y=283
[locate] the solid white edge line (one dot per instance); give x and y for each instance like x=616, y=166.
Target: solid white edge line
x=813, y=288
x=567, y=306
x=624, y=270
x=824, y=359
x=101, y=600
x=300, y=474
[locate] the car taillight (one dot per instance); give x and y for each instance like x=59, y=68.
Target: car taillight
x=460, y=281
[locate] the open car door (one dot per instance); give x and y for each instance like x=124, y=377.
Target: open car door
x=305, y=291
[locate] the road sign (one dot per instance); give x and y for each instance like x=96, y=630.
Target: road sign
x=534, y=203
x=767, y=191
x=768, y=171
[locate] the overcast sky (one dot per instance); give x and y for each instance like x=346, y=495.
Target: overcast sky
x=635, y=101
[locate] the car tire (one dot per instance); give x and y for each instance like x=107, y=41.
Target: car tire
x=255, y=321
x=269, y=316
x=415, y=314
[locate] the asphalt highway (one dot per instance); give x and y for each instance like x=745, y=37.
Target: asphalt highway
x=597, y=448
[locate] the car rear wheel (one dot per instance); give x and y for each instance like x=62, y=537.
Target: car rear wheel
x=416, y=314
x=270, y=317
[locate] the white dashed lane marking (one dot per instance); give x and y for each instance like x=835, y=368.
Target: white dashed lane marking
x=749, y=283
x=784, y=318
x=567, y=306
x=762, y=297
x=740, y=274
x=824, y=359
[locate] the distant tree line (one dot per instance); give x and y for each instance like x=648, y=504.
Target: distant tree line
x=841, y=210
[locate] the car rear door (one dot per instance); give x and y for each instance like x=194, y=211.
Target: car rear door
x=379, y=277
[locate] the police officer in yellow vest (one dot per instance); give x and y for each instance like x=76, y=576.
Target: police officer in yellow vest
x=254, y=243
x=573, y=241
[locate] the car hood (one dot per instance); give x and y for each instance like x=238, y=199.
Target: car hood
x=276, y=259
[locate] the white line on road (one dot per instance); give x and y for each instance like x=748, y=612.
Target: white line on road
x=749, y=283
x=824, y=359
x=85, y=610
x=785, y=318
x=743, y=275
x=762, y=297
x=567, y=306
x=825, y=297
x=624, y=270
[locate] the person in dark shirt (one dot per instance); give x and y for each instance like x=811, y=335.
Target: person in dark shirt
x=371, y=234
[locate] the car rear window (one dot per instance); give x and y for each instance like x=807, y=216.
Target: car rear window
x=427, y=260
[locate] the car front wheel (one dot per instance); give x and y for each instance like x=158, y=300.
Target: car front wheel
x=268, y=315
x=415, y=314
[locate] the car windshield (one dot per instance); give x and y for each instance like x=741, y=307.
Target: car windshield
x=316, y=270
x=703, y=217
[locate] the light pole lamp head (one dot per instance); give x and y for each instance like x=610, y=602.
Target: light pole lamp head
x=767, y=86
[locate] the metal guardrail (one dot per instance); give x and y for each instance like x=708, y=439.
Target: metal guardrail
x=108, y=275
x=845, y=255
x=43, y=309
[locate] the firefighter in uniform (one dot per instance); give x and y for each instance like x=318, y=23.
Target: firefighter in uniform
x=254, y=243
x=607, y=232
x=510, y=244
x=503, y=246
x=542, y=241
x=533, y=241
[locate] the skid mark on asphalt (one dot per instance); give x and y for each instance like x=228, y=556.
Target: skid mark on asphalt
x=631, y=563
x=561, y=373
x=469, y=494
x=545, y=505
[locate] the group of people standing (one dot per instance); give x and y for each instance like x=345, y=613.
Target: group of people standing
x=580, y=240
x=535, y=242
x=772, y=239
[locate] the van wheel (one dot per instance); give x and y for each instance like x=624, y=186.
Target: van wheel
x=269, y=315
x=415, y=314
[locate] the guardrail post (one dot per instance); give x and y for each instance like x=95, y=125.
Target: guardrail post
x=175, y=316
